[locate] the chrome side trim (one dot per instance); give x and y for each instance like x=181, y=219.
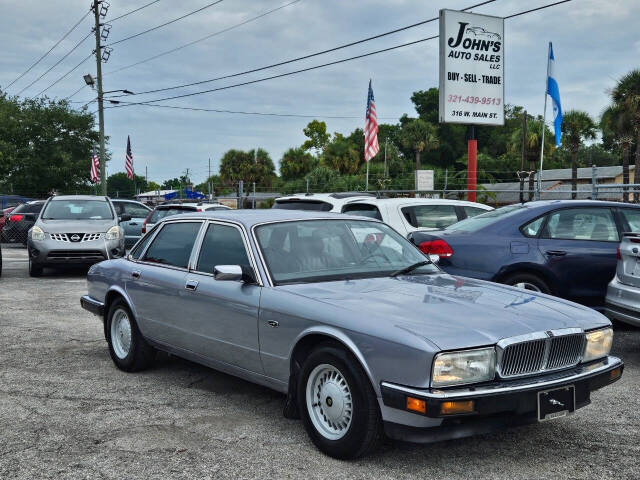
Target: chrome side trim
x=602, y=366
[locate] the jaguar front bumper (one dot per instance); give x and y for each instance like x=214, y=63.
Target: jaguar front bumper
x=494, y=406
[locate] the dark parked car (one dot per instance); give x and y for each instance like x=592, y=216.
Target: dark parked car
x=132, y=228
x=20, y=220
x=5, y=216
x=565, y=247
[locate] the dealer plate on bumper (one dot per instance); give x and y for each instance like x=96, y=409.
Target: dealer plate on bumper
x=556, y=403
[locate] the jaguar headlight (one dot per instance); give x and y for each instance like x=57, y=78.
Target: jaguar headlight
x=37, y=233
x=460, y=368
x=113, y=233
x=598, y=344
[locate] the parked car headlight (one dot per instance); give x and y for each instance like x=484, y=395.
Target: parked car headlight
x=113, y=233
x=37, y=233
x=598, y=344
x=469, y=366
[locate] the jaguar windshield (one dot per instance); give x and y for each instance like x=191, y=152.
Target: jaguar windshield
x=326, y=250
x=77, y=210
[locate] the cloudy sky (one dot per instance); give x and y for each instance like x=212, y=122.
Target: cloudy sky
x=595, y=42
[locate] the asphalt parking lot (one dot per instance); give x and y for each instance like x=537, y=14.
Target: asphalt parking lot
x=67, y=413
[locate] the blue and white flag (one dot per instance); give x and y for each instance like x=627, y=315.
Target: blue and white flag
x=554, y=92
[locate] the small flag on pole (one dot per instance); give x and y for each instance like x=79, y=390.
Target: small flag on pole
x=554, y=92
x=128, y=164
x=95, y=167
x=371, y=147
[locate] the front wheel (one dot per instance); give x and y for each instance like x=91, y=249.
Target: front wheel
x=128, y=349
x=528, y=281
x=338, y=406
x=35, y=270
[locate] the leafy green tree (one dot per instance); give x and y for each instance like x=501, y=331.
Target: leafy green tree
x=318, y=138
x=44, y=146
x=153, y=186
x=174, y=183
x=296, y=163
x=322, y=178
x=533, y=144
x=577, y=126
x=617, y=131
x=251, y=166
x=626, y=95
x=419, y=136
x=121, y=186
x=341, y=155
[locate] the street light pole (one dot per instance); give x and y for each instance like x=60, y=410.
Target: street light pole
x=103, y=159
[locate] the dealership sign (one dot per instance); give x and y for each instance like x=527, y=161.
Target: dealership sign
x=471, y=68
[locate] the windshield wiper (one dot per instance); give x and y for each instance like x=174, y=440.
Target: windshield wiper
x=410, y=268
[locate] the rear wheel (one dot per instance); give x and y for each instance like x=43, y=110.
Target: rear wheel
x=527, y=281
x=337, y=404
x=35, y=270
x=128, y=349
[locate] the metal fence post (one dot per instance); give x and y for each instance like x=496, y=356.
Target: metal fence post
x=594, y=188
x=446, y=177
x=240, y=193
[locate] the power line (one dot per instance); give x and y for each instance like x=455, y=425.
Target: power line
x=206, y=37
x=50, y=50
x=305, y=57
x=165, y=24
x=66, y=74
x=57, y=63
x=266, y=114
x=133, y=11
x=315, y=67
x=75, y=93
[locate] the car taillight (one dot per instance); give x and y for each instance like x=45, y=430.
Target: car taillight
x=144, y=227
x=16, y=218
x=618, y=256
x=436, y=247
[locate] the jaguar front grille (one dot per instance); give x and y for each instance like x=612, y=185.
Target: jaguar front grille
x=549, y=352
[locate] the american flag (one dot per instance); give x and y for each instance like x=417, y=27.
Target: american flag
x=95, y=167
x=371, y=147
x=128, y=163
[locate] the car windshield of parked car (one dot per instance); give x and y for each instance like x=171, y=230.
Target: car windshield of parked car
x=484, y=219
x=328, y=250
x=315, y=205
x=77, y=210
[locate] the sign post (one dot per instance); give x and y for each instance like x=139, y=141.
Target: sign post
x=471, y=76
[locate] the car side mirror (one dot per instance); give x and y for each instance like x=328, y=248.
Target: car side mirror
x=234, y=273
x=125, y=217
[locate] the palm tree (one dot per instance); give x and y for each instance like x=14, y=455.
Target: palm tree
x=532, y=142
x=419, y=136
x=626, y=95
x=616, y=123
x=577, y=126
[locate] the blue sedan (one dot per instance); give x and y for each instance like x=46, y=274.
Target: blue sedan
x=565, y=247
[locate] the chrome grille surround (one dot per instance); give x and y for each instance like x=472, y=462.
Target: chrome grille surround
x=539, y=352
x=84, y=237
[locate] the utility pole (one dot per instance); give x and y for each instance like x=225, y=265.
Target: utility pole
x=209, y=179
x=524, y=154
x=103, y=159
x=146, y=175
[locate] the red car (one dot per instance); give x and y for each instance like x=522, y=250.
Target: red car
x=5, y=214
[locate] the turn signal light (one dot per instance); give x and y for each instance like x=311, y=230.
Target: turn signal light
x=436, y=247
x=453, y=408
x=416, y=405
x=615, y=373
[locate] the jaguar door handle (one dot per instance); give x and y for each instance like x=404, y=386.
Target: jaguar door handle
x=191, y=285
x=556, y=253
x=135, y=274
x=273, y=323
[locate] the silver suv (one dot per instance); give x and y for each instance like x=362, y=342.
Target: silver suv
x=623, y=293
x=75, y=230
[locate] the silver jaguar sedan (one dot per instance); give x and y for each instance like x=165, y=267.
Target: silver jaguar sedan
x=358, y=328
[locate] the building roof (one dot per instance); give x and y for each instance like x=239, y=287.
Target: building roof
x=156, y=193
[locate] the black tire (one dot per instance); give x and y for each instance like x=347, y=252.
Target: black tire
x=140, y=354
x=365, y=429
x=35, y=270
x=530, y=279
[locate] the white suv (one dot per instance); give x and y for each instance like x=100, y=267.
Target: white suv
x=319, y=202
x=407, y=215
